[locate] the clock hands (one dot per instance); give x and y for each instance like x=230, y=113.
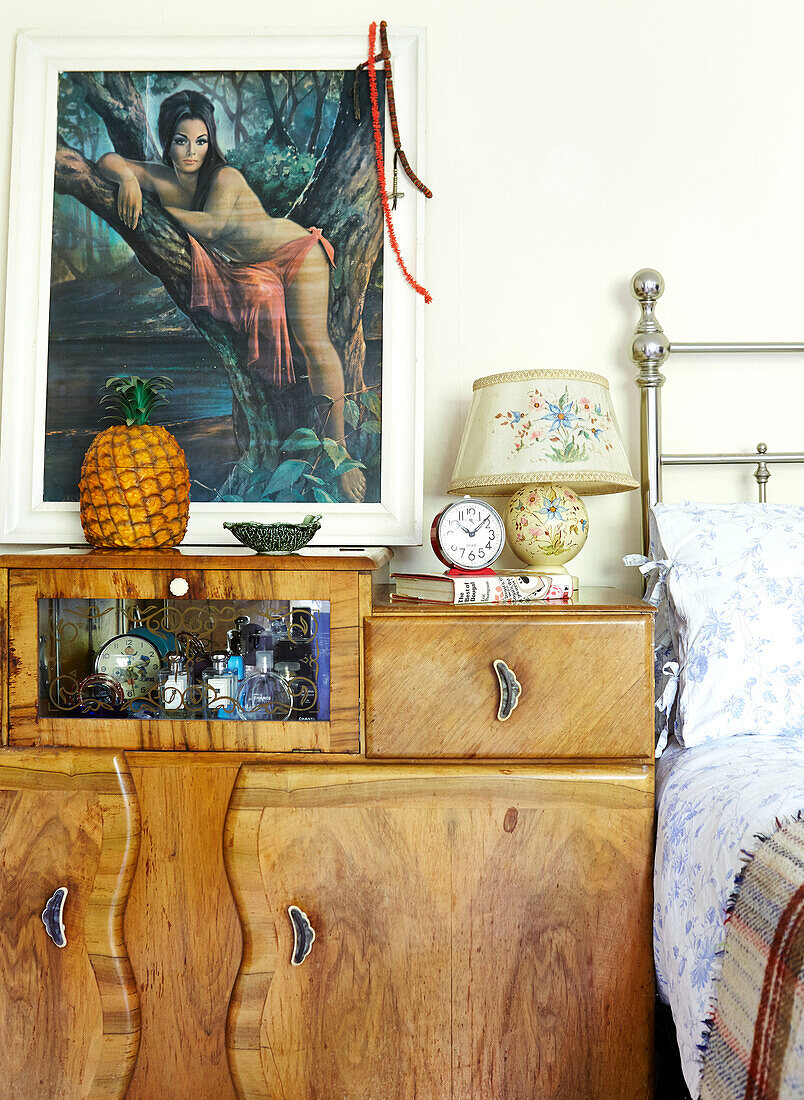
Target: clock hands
x=465, y=530
x=474, y=531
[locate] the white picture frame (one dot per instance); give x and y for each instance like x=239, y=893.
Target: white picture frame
x=25, y=517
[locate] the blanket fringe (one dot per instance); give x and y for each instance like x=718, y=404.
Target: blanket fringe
x=748, y=856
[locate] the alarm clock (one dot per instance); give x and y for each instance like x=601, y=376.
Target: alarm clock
x=468, y=535
x=131, y=660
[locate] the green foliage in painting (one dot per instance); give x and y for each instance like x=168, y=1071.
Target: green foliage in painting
x=278, y=175
x=311, y=463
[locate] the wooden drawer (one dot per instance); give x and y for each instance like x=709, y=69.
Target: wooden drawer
x=29, y=725
x=586, y=680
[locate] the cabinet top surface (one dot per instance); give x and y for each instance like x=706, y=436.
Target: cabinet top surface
x=587, y=599
x=200, y=557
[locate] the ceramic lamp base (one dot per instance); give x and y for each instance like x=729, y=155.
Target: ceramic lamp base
x=546, y=525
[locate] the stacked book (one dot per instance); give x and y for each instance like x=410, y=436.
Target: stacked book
x=509, y=587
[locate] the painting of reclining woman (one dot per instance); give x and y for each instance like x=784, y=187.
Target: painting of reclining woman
x=223, y=230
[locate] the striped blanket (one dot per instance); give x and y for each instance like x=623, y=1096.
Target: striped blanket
x=755, y=1046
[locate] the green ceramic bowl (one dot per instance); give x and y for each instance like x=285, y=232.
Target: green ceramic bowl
x=275, y=538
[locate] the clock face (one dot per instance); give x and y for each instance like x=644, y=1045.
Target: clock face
x=132, y=661
x=469, y=534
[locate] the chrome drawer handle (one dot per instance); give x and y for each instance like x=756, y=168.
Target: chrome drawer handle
x=510, y=691
x=303, y=935
x=52, y=917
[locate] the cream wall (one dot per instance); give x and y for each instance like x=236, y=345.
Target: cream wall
x=567, y=146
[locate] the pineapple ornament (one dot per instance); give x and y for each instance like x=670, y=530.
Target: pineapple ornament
x=135, y=485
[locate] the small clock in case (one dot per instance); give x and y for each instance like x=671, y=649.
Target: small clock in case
x=468, y=535
x=132, y=661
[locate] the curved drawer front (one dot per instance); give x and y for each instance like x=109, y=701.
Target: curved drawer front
x=585, y=686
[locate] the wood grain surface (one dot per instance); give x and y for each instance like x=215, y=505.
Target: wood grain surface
x=340, y=734
x=479, y=933
x=69, y=1017
x=308, y=559
x=183, y=933
x=3, y=657
x=587, y=684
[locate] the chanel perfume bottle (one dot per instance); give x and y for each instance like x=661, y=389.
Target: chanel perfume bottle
x=174, y=684
x=220, y=689
x=300, y=689
x=302, y=631
x=264, y=696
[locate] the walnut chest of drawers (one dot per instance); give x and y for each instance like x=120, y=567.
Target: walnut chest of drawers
x=478, y=888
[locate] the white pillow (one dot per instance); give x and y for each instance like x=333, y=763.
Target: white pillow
x=735, y=591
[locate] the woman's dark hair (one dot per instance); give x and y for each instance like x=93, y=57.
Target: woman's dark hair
x=176, y=108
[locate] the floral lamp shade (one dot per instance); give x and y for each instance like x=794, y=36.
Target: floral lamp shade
x=538, y=426
x=547, y=437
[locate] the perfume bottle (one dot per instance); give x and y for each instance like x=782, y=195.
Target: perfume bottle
x=302, y=632
x=299, y=689
x=244, y=639
x=237, y=665
x=280, y=642
x=234, y=637
x=264, y=696
x=220, y=689
x=174, y=684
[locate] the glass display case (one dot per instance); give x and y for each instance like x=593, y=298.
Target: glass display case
x=206, y=653
x=179, y=659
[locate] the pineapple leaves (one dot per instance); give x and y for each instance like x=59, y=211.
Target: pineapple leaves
x=133, y=399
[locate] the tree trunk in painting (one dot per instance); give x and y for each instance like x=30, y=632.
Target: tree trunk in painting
x=320, y=92
x=276, y=131
x=345, y=173
x=117, y=101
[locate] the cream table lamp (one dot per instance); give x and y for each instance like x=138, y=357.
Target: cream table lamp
x=544, y=438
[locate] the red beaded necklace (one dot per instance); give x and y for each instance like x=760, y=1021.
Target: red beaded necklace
x=399, y=154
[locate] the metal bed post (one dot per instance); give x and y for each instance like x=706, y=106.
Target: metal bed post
x=649, y=350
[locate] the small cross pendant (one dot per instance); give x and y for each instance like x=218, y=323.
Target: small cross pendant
x=395, y=193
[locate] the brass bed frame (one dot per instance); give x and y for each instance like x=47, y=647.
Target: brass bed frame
x=650, y=349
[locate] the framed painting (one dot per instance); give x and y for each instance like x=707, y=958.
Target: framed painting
x=208, y=211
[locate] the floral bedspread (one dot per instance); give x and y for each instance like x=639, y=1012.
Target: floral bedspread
x=711, y=801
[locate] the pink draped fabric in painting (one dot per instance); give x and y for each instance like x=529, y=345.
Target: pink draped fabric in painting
x=251, y=298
